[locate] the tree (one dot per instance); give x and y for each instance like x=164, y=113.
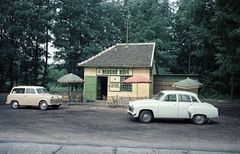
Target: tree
x=84, y=28
x=209, y=31
x=151, y=21
x=191, y=34
x=23, y=32
x=227, y=37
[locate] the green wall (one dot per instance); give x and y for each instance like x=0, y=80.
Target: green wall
x=164, y=82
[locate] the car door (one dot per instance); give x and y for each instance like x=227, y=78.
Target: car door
x=184, y=102
x=168, y=107
x=30, y=97
x=18, y=94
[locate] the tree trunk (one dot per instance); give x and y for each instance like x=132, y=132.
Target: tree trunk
x=189, y=64
x=232, y=83
x=232, y=91
x=35, y=73
x=1, y=78
x=46, y=65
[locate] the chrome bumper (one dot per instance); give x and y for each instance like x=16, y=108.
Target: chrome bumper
x=130, y=113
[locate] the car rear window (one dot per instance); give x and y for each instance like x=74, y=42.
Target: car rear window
x=184, y=98
x=18, y=91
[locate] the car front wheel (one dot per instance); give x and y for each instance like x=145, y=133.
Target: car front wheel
x=145, y=116
x=43, y=105
x=199, y=119
x=15, y=104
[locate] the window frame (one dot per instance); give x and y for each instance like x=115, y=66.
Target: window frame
x=125, y=87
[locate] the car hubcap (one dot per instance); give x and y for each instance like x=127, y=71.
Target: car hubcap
x=15, y=104
x=199, y=119
x=146, y=117
x=44, y=105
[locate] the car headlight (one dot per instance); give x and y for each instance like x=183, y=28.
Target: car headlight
x=130, y=108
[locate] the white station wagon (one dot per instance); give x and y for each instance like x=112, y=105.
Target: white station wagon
x=33, y=96
x=173, y=104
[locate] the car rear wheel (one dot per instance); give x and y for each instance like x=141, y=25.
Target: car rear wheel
x=43, y=105
x=199, y=119
x=15, y=104
x=145, y=116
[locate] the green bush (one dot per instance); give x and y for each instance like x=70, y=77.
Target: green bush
x=58, y=89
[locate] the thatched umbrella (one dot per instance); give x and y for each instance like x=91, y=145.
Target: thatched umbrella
x=188, y=84
x=137, y=79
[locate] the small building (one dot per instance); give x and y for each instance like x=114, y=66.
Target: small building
x=105, y=72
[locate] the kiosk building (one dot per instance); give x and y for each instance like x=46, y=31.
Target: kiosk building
x=105, y=72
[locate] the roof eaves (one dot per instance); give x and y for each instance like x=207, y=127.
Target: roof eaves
x=153, y=43
x=152, y=59
x=97, y=55
x=129, y=66
x=85, y=63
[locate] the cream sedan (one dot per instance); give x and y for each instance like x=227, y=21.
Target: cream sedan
x=173, y=104
x=33, y=96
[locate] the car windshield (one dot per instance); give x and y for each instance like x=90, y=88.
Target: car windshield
x=42, y=90
x=159, y=96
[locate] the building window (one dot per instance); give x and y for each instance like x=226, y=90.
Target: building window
x=125, y=86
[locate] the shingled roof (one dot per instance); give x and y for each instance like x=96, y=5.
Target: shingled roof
x=123, y=55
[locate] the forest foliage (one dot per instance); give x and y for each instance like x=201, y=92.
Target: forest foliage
x=192, y=37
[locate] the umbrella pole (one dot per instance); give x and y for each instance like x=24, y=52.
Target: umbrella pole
x=70, y=94
x=137, y=89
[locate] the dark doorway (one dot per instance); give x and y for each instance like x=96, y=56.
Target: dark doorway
x=102, y=88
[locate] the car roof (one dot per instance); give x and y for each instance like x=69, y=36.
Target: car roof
x=178, y=92
x=28, y=87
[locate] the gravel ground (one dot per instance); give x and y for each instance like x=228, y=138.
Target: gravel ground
x=94, y=126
